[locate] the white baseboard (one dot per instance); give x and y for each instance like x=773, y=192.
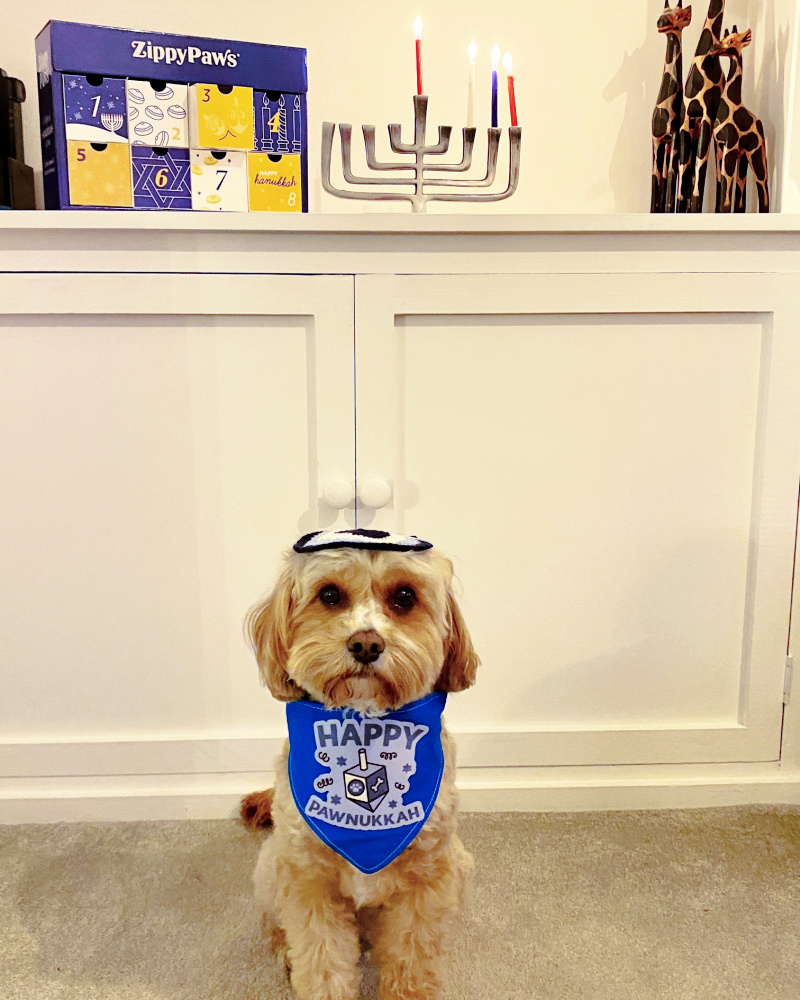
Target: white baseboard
x=127, y=798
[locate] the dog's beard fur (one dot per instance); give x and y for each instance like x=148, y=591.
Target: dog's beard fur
x=301, y=643
x=321, y=665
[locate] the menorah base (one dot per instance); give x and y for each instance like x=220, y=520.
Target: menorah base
x=424, y=187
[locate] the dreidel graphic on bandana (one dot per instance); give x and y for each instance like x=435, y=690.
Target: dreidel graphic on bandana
x=366, y=784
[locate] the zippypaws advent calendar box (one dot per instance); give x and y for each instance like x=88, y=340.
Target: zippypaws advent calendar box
x=145, y=120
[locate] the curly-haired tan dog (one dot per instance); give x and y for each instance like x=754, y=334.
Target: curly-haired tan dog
x=372, y=631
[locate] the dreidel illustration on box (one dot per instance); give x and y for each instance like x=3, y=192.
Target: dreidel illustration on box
x=221, y=117
x=367, y=784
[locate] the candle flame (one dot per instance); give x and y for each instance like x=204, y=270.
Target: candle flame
x=495, y=56
x=473, y=50
x=507, y=64
x=418, y=27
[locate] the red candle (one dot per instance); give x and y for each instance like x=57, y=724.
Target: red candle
x=418, y=34
x=512, y=101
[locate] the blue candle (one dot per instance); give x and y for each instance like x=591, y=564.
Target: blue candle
x=495, y=61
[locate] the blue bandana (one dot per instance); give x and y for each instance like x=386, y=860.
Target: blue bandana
x=366, y=786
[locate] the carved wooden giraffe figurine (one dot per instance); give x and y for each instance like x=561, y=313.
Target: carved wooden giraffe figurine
x=668, y=112
x=701, y=97
x=739, y=135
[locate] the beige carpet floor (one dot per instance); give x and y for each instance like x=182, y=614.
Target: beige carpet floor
x=591, y=906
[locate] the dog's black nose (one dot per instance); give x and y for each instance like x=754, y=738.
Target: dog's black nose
x=366, y=646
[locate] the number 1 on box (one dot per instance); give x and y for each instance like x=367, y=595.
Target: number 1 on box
x=96, y=105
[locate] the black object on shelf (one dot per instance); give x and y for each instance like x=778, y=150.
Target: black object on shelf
x=16, y=178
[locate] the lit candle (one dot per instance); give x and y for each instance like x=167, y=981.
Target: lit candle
x=418, y=36
x=495, y=61
x=512, y=101
x=473, y=51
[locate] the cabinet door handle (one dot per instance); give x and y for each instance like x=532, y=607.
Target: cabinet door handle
x=338, y=493
x=374, y=493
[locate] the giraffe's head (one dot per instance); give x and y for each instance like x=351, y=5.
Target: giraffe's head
x=674, y=19
x=732, y=43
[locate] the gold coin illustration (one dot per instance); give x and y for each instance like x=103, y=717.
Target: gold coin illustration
x=214, y=199
x=196, y=169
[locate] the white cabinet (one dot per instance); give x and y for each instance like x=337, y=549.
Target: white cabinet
x=597, y=419
x=163, y=437
x=612, y=461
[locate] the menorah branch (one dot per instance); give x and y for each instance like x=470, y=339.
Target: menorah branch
x=425, y=187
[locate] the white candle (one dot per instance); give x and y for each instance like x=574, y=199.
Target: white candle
x=473, y=51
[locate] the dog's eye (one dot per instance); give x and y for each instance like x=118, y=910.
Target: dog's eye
x=404, y=598
x=330, y=596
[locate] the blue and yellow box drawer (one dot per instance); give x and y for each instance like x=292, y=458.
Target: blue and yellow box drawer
x=161, y=178
x=108, y=58
x=94, y=109
x=99, y=174
x=221, y=117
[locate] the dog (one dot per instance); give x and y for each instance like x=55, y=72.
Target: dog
x=362, y=631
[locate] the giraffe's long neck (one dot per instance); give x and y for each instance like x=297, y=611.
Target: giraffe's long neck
x=673, y=68
x=712, y=29
x=733, y=88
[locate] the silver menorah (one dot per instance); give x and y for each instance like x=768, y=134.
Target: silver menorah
x=422, y=168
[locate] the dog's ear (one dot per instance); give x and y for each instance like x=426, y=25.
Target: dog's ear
x=267, y=629
x=460, y=660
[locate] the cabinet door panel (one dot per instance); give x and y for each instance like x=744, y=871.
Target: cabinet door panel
x=614, y=470
x=159, y=453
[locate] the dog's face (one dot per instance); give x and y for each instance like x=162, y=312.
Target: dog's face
x=363, y=629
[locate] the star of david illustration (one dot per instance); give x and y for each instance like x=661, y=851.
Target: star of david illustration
x=176, y=188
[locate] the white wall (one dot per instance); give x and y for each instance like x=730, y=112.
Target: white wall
x=586, y=79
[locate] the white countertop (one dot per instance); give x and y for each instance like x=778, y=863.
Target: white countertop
x=385, y=223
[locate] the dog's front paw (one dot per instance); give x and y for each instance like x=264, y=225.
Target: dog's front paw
x=405, y=983
x=325, y=984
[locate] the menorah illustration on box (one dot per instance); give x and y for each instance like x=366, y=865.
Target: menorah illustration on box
x=428, y=177
x=705, y=118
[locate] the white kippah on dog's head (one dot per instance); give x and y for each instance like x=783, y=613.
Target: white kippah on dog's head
x=360, y=538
